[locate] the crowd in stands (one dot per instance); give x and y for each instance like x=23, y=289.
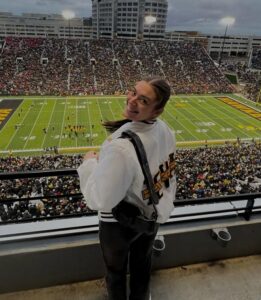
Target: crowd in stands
x=38, y=187
x=45, y=66
x=246, y=75
x=256, y=58
x=201, y=172
x=215, y=171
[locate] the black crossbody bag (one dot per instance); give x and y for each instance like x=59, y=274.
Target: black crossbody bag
x=128, y=214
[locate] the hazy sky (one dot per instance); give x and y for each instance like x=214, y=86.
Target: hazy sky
x=201, y=15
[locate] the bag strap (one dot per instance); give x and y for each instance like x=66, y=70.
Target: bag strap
x=142, y=157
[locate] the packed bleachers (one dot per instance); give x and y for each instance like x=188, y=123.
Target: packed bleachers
x=247, y=76
x=201, y=172
x=256, y=58
x=48, y=187
x=38, y=66
x=215, y=171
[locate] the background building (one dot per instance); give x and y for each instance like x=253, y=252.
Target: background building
x=128, y=18
x=239, y=47
x=44, y=25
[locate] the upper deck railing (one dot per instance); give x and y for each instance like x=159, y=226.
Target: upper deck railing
x=215, y=228
x=246, y=209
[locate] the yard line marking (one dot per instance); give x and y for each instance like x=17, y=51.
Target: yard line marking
x=62, y=127
x=241, y=118
x=188, y=119
x=228, y=116
x=112, y=110
x=180, y=123
x=102, y=118
x=48, y=125
x=234, y=113
x=228, y=110
x=76, y=121
x=16, y=132
x=35, y=122
x=176, y=121
x=210, y=119
x=119, y=104
x=90, y=125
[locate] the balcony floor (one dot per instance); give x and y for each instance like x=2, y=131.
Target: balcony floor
x=232, y=279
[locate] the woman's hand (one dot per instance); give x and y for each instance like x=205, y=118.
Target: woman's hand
x=91, y=154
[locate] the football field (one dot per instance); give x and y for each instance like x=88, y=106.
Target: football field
x=73, y=124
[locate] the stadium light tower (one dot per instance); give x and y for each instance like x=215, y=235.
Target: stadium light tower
x=150, y=20
x=227, y=21
x=68, y=15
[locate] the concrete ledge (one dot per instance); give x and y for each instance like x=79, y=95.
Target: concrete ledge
x=72, y=258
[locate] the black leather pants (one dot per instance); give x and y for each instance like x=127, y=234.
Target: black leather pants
x=121, y=245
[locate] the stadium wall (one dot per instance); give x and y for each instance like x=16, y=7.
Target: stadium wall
x=35, y=263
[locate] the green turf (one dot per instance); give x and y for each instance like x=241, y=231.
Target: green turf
x=194, y=118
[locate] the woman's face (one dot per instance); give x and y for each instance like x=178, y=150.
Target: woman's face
x=141, y=103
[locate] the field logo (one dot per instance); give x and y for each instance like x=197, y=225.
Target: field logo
x=242, y=107
x=4, y=112
x=7, y=108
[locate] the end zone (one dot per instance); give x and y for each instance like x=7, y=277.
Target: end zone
x=7, y=108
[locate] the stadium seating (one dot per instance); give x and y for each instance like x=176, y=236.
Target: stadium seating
x=201, y=172
x=42, y=66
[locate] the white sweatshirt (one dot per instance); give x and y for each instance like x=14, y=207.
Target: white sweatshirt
x=117, y=173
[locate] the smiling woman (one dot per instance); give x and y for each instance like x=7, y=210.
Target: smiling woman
x=145, y=102
x=115, y=174
x=142, y=103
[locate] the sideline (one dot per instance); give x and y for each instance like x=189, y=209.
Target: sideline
x=180, y=144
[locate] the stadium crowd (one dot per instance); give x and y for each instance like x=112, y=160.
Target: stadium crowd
x=201, y=172
x=256, y=58
x=246, y=75
x=216, y=171
x=44, y=66
x=38, y=187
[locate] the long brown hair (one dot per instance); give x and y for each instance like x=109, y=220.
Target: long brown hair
x=162, y=91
